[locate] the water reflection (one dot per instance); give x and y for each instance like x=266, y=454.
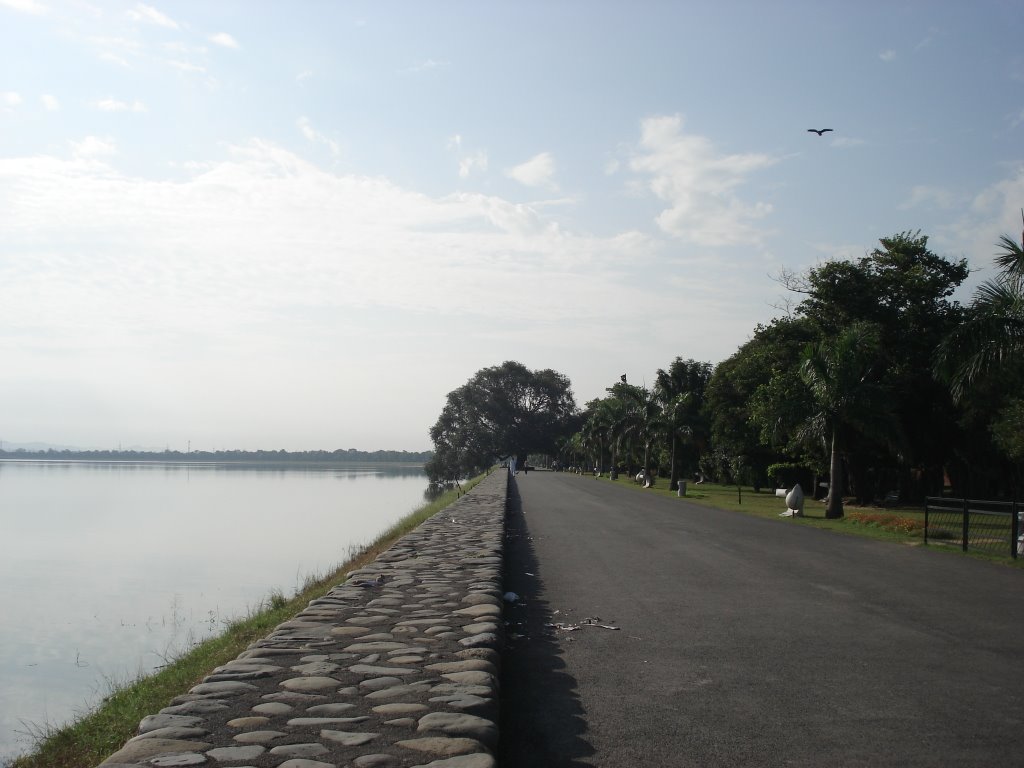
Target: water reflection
x=109, y=569
x=349, y=469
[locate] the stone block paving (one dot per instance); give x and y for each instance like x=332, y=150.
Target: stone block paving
x=394, y=668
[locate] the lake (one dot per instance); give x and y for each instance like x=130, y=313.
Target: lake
x=108, y=569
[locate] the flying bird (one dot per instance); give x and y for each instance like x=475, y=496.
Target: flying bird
x=819, y=131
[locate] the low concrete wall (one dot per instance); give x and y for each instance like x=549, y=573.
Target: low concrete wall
x=397, y=667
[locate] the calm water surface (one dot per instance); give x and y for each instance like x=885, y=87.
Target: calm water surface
x=106, y=569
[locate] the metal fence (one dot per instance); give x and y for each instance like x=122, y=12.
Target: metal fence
x=990, y=526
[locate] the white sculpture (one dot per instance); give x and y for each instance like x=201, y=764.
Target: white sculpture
x=795, y=501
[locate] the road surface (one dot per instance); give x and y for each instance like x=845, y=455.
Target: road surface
x=746, y=642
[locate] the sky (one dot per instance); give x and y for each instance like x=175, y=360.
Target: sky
x=300, y=225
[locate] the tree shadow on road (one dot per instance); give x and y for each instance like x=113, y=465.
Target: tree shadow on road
x=541, y=716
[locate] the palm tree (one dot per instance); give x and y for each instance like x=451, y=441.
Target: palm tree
x=992, y=336
x=571, y=449
x=681, y=392
x=611, y=418
x=651, y=424
x=640, y=418
x=841, y=377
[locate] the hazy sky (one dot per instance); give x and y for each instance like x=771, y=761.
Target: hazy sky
x=300, y=225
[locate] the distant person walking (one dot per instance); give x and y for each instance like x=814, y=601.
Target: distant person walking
x=526, y=468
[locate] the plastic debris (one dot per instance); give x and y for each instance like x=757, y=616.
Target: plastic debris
x=511, y=597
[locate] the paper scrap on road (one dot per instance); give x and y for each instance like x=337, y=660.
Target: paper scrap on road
x=595, y=621
x=590, y=621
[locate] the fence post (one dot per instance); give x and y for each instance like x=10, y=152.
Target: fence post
x=967, y=515
x=1014, y=529
x=926, y=505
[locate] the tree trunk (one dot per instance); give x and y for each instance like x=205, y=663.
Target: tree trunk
x=647, y=464
x=834, y=509
x=673, y=483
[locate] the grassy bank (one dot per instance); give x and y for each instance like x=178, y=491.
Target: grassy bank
x=88, y=741
x=899, y=524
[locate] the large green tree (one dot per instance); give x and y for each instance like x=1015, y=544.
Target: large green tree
x=904, y=290
x=744, y=429
x=505, y=410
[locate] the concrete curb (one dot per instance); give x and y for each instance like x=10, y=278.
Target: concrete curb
x=395, y=668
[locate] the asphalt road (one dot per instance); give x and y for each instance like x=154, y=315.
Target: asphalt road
x=746, y=642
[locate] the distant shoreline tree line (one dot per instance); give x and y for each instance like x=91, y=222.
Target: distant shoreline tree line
x=874, y=384
x=339, y=456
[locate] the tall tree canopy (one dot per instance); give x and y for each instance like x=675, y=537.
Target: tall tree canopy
x=982, y=360
x=505, y=410
x=762, y=400
x=992, y=336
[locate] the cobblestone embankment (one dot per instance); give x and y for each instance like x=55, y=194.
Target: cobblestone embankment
x=397, y=667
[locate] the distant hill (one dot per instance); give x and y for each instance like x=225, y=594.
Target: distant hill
x=340, y=456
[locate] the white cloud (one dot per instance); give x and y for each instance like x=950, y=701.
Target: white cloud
x=25, y=6
x=223, y=231
x=316, y=137
x=186, y=66
x=887, y=56
x=113, y=105
x=124, y=44
x=151, y=15
x=304, y=75
x=468, y=161
x=207, y=252
x=538, y=171
x=925, y=195
x=257, y=270
x=929, y=38
x=476, y=161
x=699, y=184
x=117, y=49
x=10, y=98
x=427, y=65
x=50, y=102
x=225, y=40
x=846, y=142
x=993, y=212
x=113, y=58
x=93, y=147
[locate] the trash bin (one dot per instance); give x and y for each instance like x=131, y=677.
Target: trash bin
x=682, y=488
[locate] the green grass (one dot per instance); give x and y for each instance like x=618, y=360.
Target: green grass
x=899, y=524
x=88, y=741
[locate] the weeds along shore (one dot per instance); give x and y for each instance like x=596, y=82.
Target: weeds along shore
x=104, y=729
